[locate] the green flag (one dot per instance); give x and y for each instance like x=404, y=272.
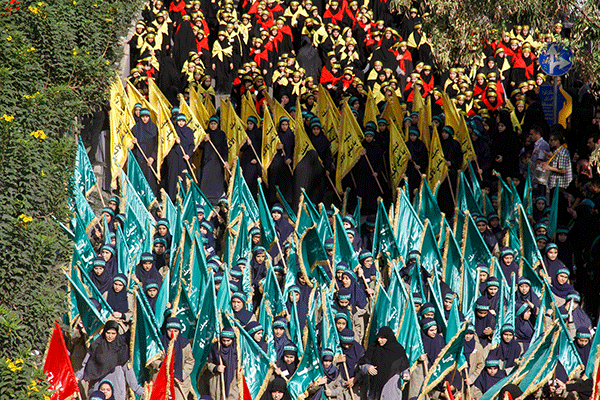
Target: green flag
x=465, y=199
x=83, y=247
x=137, y=220
x=295, y=330
x=239, y=194
x=543, y=369
x=195, y=198
x=254, y=362
x=206, y=330
x=379, y=315
x=454, y=325
x=83, y=210
x=265, y=318
x=343, y=250
x=330, y=338
x=469, y=292
x=105, y=309
x=268, y=234
x=356, y=215
x=162, y=298
x=285, y=205
x=410, y=331
x=474, y=249
x=589, y=368
x=124, y=259
x=91, y=318
x=146, y=345
x=398, y=301
x=185, y=311
x=83, y=175
x=384, y=240
x=529, y=249
x=309, y=369
x=323, y=225
x=506, y=204
x=453, y=263
x=475, y=188
x=428, y=208
x=447, y=360
x=431, y=259
x=527, y=192
x=408, y=227
x=272, y=292
x=139, y=182
x=312, y=257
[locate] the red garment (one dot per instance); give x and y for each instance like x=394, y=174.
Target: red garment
x=406, y=56
x=335, y=18
x=346, y=83
x=201, y=45
x=177, y=7
x=526, y=64
x=328, y=77
x=266, y=25
x=427, y=85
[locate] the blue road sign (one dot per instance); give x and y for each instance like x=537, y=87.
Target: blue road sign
x=556, y=59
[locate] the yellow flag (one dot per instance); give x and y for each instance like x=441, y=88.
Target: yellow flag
x=351, y=147
x=120, y=133
x=270, y=141
x=166, y=130
x=303, y=144
x=399, y=155
x=458, y=123
x=234, y=130
x=192, y=121
x=198, y=108
x=565, y=109
x=437, y=163
x=136, y=97
x=393, y=111
x=278, y=110
x=248, y=108
x=330, y=118
x=418, y=102
x=425, y=122
x=371, y=110
x=210, y=107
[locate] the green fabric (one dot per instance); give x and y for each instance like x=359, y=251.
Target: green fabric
x=398, y=301
x=465, y=200
x=323, y=225
x=428, y=207
x=186, y=312
x=553, y=213
x=83, y=209
x=431, y=258
x=408, y=226
x=453, y=263
x=589, y=368
x=91, y=318
x=378, y=316
x=241, y=195
x=295, y=330
x=356, y=216
x=475, y=188
x=435, y=297
x=286, y=206
x=384, y=240
x=265, y=318
x=313, y=256
x=137, y=220
x=409, y=331
x=343, y=250
x=309, y=369
x=123, y=260
x=254, y=361
x=268, y=234
x=527, y=193
x=272, y=292
x=139, y=182
x=507, y=205
x=161, y=302
x=474, y=248
x=469, y=292
x=83, y=175
x=93, y=292
x=330, y=338
x=83, y=247
x=194, y=197
x=454, y=326
x=146, y=340
x=529, y=249
x=206, y=330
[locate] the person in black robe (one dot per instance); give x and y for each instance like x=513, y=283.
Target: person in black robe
x=287, y=364
x=485, y=322
x=505, y=147
x=222, y=63
x=321, y=167
x=419, y=158
x=483, y=166
x=524, y=324
x=170, y=81
x=117, y=297
x=280, y=170
x=151, y=289
x=146, y=270
x=223, y=355
x=491, y=375
x=433, y=342
x=526, y=295
x=249, y=162
x=256, y=331
x=99, y=276
x=378, y=360
x=509, y=350
x=353, y=352
x=210, y=176
x=508, y=264
x=366, y=180
x=280, y=337
x=277, y=390
x=454, y=158
x=239, y=310
x=180, y=155
x=145, y=135
x=184, y=41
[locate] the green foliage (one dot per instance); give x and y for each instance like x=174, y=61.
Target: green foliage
x=56, y=62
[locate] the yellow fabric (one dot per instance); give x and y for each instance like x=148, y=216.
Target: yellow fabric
x=234, y=129
x=399, y=155
x=330, y=118
x=220, y=52
x=458, y=123
x=166, y=130
x=371, y=110
x=411, y=42
x=438, y=169
x=192, y=121
x=278, y=110
x=136, y=97
x=270, y=141
x=350, y=146
x=120, y=133
x=303, y=143
x=425, y=122
x=248, y=109
x=393, y=111
x=198, y=108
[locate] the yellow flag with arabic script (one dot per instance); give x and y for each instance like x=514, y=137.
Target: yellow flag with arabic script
x=437, y=163
x=234, y=130
x=270, y=141
x=399, y=155
x=351, y=148
x=458, y=123
x=192, y=121
x=166, y=130
x=120, y=133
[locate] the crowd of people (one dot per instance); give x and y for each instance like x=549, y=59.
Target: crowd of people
x=301, y=54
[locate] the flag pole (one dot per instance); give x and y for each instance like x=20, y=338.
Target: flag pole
x=146, y=158
x=373, y=172
x=258, y=158
x=100, y=194
x=188, y=164
x=222, y=374
x=450, y=186
x=218, y=154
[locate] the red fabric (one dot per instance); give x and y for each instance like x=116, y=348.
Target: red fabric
x=246, y=394
x=335, y=18
x=201, y=45
x=58, y=368
x=427, y=86
x=177, y=7
x=451, y=396
x=327, y=77
x=266, y=25
x=164, y=378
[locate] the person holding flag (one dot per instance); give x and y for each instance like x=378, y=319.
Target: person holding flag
x=214, y=161
x=179, y=158
x=107, y=360
x=145, y=138
x=222, y=367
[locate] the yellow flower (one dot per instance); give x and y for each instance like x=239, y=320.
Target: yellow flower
x=95, y=4
x=46, y=397
x=7, y=361
x=41, y=3
x=107, y=62
x=8, y=118
x=43, y=174
x=108, y=19
x=19, y=360
x=14, y=368
x=9, y=38
x=39, y=134
x=74, y=2
x=74, y=52
x=31, y=49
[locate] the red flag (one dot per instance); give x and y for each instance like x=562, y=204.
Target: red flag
x=246, y=395
x=58, y=368
x=164, y=385
x=449, y=394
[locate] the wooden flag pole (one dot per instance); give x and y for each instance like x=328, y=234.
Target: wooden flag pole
x=146, y=158
x=373, y=172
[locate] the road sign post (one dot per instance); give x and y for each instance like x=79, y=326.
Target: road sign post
x=556, y=60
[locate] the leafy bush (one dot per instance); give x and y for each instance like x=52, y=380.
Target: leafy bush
x=56, y=63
